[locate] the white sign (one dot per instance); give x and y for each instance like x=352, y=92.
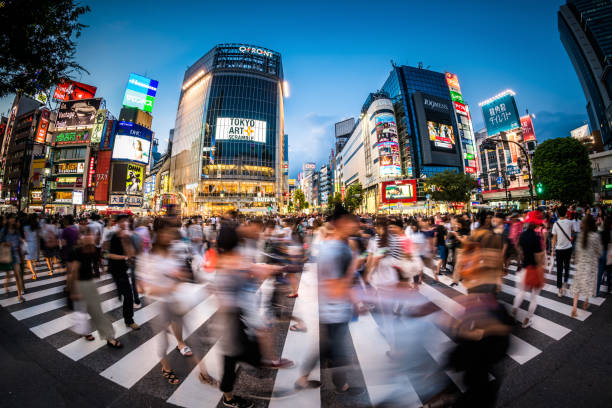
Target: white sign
x=124, y=200
x=77, y=197
x=581, y=132
x=252, y=50
x=263, y=199
x=240, y=129
x=131, y=148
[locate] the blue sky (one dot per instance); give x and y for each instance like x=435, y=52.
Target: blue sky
x=335, y=53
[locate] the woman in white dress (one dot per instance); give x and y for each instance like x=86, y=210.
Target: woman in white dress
x=588, y=250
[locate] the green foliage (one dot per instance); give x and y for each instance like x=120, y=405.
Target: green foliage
x=37, y=43
x=450, y=186
x=563, y=168
x=299, y=199
x=353, y=197
x=334, y=201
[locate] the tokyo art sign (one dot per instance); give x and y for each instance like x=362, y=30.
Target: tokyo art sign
x=241, y=130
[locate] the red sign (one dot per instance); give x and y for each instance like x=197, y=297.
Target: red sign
x=68, y=90
x=104, y=162
x=469, y=169
x=90, y=172
x=399, y=191
x=460, y=108
x=528, y=131
x=43, y=124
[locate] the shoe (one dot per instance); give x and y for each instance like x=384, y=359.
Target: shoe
x=527, y=323
x=133, y=326
x=137, y=305
x=574, y=314
x=278, y=364
x=237, y=402
x=454, y=284
x=560, y=294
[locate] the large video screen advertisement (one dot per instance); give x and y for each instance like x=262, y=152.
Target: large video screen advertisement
x=388, y=145
x=77, y=113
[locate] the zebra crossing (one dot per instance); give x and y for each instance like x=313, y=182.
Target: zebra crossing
x=136, y=366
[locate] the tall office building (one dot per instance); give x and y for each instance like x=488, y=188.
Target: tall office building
x=585, y=27
x=227, y=151
x=426, y=122
x=343, y=130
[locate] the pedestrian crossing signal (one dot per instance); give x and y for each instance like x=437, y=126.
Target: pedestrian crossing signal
x=539, y=188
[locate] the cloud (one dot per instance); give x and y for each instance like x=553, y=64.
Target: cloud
x=550, y=125
x=310, y=139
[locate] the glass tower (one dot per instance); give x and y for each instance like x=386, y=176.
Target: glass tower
x=228, y=139
x=585, y=28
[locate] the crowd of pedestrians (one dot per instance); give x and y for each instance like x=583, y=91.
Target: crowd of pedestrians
x=365, y=264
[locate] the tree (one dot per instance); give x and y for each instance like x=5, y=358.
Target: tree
x=37, y=43
x=563, y=168
x=299, y=199
x=334, y=201
x=353, y=197
x=451, y=187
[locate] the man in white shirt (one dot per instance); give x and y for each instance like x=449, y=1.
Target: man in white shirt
x=562, y=246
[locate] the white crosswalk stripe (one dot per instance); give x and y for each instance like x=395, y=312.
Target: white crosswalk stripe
x=368, y=343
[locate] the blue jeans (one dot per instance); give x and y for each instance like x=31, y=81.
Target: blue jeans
x=601, y=268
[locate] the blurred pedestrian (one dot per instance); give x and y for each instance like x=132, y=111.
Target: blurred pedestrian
x=588, y=251
x=562, y=244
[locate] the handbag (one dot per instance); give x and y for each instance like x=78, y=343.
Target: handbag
x=6, y=255
x=534, y=277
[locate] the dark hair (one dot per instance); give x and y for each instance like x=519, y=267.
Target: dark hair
x=228, y=239
x=482, y=218
x=383, y=240
x=588, y=225
x=562, y=211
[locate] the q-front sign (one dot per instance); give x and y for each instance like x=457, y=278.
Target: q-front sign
x=241, y=130
x=257, y=51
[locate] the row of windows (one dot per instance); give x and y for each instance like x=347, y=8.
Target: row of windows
x=70, y=153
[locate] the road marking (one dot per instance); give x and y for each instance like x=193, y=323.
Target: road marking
x=131, y=368
x=548, y=303
x=33, y=295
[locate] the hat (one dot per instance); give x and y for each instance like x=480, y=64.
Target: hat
x=534, y=217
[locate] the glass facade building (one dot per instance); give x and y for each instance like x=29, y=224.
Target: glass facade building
x=401, y=86
x=228, y=151
x=585, y=28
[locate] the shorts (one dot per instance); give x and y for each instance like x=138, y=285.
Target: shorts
x=442, y=252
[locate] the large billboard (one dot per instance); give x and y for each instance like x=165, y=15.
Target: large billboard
x=77, y=113
x=98, y=127
x=241, y=129
x=140, y=92
x=399, y=191
x=500, y=113
x=388, y=145
x=134, y=179
x=528, y=131
x=43, y=125
x=131, y=148
x=581, y=132
x=68, y=90
x=436, y=129
x=102, y=174
x=72, y=137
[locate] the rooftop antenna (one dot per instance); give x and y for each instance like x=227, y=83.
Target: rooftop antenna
x=420, y=65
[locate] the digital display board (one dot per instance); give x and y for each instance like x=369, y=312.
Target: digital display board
x=441, y=135
x=76, y=137
x=132, y=129
x=133, y=179
x=399, y=191
x=68, y=90
x=501, y=114
x=43, y=125
x=528, y=131
x=240, y=129
x=456, y=96
x=77, y=113
x=388, y=145
x=131, y=148
x=140, y=92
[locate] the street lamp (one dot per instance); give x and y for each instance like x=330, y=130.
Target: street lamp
x=491, y=144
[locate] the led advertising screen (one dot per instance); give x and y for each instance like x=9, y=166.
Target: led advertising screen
x=453, y=82
x=388, y=145
x=133, y=129
x=399, y=191
x=456, y=96
x=68, y=90
x=501, y=114
x=241, y=129
x=131, y=148
x=140, y=92
x=528, y=131
x=43, y=125
x=74, y=137
x=441, y=136
x=134, y=179
x=77, y=113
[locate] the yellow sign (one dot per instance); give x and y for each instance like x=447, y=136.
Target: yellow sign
x=133, y=181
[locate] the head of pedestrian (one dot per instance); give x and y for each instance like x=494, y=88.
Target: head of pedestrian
x=562, y=211
x=344, y=223
x=123, y=221
x=165, y=233
x=396, y=227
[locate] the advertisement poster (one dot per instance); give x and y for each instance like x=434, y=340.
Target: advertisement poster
x=68, y=90
x=388, y=146
x=77, y=113
x=81, y=136
x=38, y=166
x=241, y=129
x=133, y=181
x=501, y=114
x=43, y=125
x=528, y=131
x=98, y=127
x=140, y=92
x=441, y=136
x=581, y=132
x=131, y=148
x=399, y=191
x=101, y=176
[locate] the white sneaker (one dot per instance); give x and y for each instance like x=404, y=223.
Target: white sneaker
x=527, y=323
x=137, y=305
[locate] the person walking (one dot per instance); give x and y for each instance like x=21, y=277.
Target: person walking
x=50, y=241
x=10, y=249
x=31, y=234
x=562, y=246
x=588, y=251
x=532, y=256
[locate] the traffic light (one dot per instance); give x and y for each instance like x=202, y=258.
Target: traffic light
x=539, y=188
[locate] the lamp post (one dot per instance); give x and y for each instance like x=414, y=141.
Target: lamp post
x=491, y=143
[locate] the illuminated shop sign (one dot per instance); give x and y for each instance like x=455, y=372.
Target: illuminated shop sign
x=140, y=92
x=460, y=108
x=78, y=167
x=452, y=81
x=82, y=136
x=124, y=200
x=529, y=132
x=241, y=129
x=257, y=51
x=500, y=113
x=388, y=146
x=399, y=191
x=98, y=127
x=43, y=124
x=456, y=96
